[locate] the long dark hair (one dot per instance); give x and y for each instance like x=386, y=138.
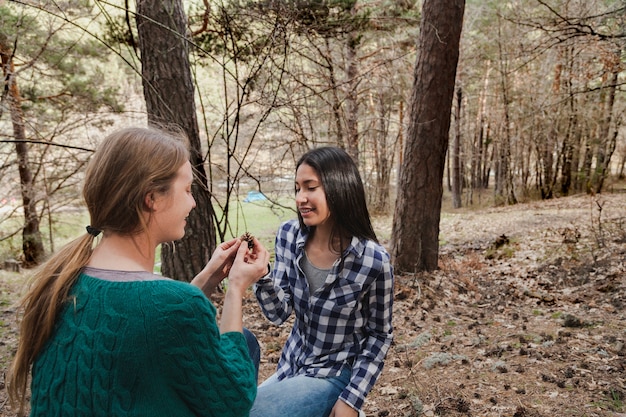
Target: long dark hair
x=345, y=194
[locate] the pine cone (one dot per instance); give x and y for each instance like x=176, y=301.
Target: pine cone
x=248, y=238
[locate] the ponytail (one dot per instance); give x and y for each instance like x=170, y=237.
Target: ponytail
x=41, y=306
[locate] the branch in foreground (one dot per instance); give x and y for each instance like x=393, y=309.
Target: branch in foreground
x=42, y=142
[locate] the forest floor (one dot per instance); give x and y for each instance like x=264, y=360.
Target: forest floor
x=526, y=317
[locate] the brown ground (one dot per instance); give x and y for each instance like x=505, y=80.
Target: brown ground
x=525, y=317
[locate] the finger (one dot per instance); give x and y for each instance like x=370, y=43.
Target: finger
x=230, y=243
x=242, y=250
x=265, y=256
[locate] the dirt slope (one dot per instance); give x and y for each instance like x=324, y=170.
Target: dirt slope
x=525, y=317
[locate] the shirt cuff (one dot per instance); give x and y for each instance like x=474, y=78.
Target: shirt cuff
x=267, y=279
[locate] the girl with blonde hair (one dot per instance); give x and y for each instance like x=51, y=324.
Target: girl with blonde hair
x=105, y=336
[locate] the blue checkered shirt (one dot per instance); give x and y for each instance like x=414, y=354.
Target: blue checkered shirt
x=346, y=322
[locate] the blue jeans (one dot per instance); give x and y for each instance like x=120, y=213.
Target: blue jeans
x=299, y=396
x=254, y=349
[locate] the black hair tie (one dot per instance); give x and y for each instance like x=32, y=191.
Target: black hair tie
x=93, y=231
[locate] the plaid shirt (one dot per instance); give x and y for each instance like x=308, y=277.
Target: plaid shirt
x=346, y=322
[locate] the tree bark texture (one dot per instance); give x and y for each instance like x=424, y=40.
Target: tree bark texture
x=384, y=150
x=504, y=191
x=32, y=242
x=457, y=178
x=606, y=141
x=169, y=94
x=415, y=234
x=336, y=102
x=352, y=102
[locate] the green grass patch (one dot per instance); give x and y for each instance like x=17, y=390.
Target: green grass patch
x=260, y=218
x=63, y=226
x=613, y=400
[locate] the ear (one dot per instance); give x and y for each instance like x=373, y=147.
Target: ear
x=149, y=201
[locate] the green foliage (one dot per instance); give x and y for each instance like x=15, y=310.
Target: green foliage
x=612, y=400
x=67, y=83
x=326, y=18
x=66, y=69
x=232, y=30
x=116, y=31
x=248, y=29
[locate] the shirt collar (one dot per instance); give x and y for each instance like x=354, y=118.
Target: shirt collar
x=356, y=245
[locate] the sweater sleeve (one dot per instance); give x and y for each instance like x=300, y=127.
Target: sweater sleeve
x=211, y=372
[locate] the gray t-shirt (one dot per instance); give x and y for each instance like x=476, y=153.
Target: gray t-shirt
x=121, y=276
x=314, y=276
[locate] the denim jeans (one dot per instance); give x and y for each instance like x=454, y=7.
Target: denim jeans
x=254, y=349
x=299, y=396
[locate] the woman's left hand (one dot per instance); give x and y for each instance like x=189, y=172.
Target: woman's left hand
x=341, y=409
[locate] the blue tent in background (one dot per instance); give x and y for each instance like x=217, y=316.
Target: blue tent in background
x=254, y=196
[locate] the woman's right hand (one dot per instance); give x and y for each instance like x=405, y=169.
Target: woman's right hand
x=249, y=266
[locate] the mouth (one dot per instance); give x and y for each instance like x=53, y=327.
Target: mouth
x=305, y=210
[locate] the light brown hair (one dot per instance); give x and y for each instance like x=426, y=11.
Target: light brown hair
x=128, y=165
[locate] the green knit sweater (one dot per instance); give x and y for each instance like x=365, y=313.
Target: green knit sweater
x=141, y=348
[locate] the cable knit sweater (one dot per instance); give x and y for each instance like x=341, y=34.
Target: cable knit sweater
x=141, y=348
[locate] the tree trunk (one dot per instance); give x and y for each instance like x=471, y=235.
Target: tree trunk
x=505, y=192
x=567, y=148
x=169, y=94
x=482, y=143
x=32, y=242
x=489, y=160
x=606, y=140
x=415, y=235
x=567, y=165
x=352, y=101
x=584, y=180
x=336, y=102
x=383, y=157
x=457, y=182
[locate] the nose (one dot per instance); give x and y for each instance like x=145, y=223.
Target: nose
x=300, y=197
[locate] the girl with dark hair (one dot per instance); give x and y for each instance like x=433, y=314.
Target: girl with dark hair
x=103, y=334
x=332, y=273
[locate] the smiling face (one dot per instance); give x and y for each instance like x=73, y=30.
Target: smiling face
x=310, y=197
x=170, y=209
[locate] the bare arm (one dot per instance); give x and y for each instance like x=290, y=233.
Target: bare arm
x=249, y=265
